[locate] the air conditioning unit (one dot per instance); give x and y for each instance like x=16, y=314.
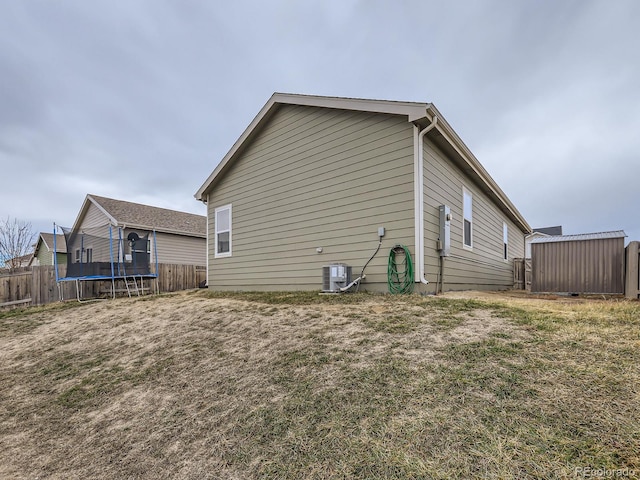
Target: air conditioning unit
x=335, y=276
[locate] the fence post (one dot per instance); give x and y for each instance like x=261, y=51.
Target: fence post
x=631, y=281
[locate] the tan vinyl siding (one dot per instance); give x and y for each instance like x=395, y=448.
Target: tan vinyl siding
x=315, y=178
x=94, y=217
x=179, y=249
x=483, y=266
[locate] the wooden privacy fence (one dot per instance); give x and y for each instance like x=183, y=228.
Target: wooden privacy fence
x=37, y=285
x=172, y=278
x=632, y=275
x=522, y=273
x=15, y=287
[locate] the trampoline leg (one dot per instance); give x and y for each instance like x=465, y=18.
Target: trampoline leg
x=77, y=290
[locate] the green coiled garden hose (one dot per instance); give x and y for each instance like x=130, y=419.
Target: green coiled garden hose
x=400, y=270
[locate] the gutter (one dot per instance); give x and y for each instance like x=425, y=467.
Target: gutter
x=418, y=175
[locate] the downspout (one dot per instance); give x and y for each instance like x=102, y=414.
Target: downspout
x=206, y=273
x=418, y=136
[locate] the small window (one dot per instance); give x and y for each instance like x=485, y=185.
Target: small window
x=223, y=231
x=467, y=214
x=505, y=241
x=77, y=255
x=89, y=255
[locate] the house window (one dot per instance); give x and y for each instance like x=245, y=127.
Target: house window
x=77, y=255
x=505, y=241
x=467, y=229
x=89, y=255
x=223, y=231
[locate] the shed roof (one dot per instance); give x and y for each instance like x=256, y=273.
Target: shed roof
x=145, y=217
x=579, y=237
x=417, y=113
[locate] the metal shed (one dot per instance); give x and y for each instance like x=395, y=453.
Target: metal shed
x=587, y=263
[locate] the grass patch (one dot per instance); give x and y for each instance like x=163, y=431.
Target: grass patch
x=26, y=319
x=291, y=298
x=284, y=385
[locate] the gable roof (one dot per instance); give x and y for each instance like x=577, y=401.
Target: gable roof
x=582, y=236
x=46, y=239
x=145, y=217
x=419, y=114
x=549, y=230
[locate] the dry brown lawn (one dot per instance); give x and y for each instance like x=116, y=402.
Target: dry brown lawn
x=203, y=385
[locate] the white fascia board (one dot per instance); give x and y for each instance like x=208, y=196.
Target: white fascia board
x=85, y=207
x=111, y=218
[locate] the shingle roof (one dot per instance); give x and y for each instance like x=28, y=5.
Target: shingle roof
x=61, y=243
x=136, y=215
x=583, y=236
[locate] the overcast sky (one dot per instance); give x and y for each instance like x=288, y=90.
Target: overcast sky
x=140, y=99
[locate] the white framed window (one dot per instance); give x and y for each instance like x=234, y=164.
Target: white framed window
x=77, y=256
x=88, y=252
x=223, y=231
x=505, y=241
x=467, y=219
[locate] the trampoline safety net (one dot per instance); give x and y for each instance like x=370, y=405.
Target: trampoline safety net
x=107, y=252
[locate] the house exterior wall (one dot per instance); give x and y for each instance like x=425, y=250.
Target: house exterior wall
x=95, y=225
x=172, y=248
x=180, y=249
x=584, y=266
x=315, y=178
x=94, y=217
x=45, y=257
x=483, y=266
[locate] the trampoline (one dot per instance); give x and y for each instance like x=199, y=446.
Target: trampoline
x=108, y=253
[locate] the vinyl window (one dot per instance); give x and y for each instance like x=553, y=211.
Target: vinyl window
x=467, y=222
x=505, y=241
x=223, y=231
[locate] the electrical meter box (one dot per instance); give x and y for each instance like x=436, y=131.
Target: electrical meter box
x=444, y=240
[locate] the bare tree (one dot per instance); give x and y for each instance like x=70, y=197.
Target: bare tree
x=16, y=241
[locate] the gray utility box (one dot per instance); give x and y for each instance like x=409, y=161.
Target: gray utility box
x=335, y=277
x=444, y=240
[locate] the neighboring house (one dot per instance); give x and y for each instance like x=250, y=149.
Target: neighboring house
x=311, y=180
x=551, y=231
x=180, y=236
x=540, y=233
x=43, y=253
x=19, y=262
